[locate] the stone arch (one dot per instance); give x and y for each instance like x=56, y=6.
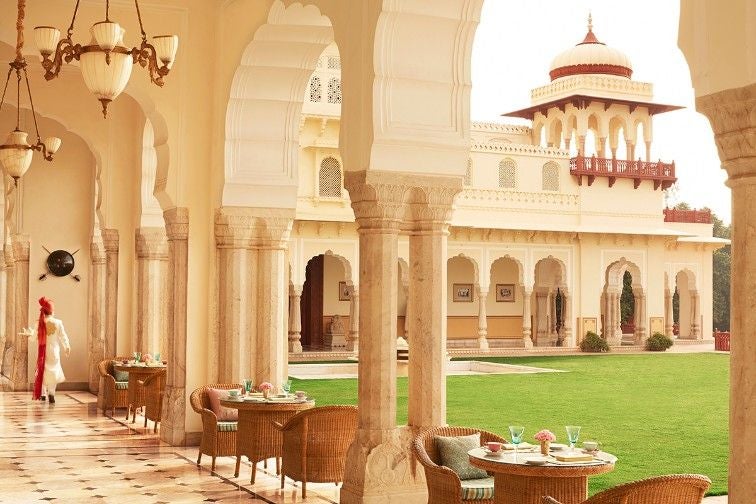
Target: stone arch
x=516, y=261
x=611, y=299
x=549, y=287
x=151, y=215
x=539, y=128
x=556, y=128
x=685, y=295
x=265, y=104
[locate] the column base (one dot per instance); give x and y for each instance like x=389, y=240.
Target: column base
x=527, y=343
x=483, y=343
x=353, y=345
x=383, y=472
x=173, y=422
x=295, y=347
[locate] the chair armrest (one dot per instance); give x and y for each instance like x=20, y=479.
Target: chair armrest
x=140, y=382
x=209, y=418
x=109, y=380
x=549, y=500
x=442, y=482
x=278, y=425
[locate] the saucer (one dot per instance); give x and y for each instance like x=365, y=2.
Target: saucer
x=537, y=460
x=492, y=453
x=558, y=446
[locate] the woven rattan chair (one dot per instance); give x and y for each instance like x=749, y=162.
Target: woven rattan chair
x=154, y=387
x=315, y=443
x=215, y=442
x=671, y=489
x=444, y=486
x=111, y=395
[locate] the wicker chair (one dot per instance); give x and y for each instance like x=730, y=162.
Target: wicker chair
x=154, y=387
x=444, y=486
x=112, y=396
x=671, y=489
x=215, y=442
x=315, y=444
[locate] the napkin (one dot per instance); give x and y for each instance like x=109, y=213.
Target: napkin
x=573, y=457
x=521, y=446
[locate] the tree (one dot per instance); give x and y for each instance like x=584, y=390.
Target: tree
x=627, y=299
x=721, y=277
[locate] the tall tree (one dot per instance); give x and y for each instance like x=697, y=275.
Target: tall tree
x=721, y=277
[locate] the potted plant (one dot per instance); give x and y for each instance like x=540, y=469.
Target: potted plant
x=265, y=388
x=545, y=437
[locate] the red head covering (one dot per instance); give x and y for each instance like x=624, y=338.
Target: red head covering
x=46, y=307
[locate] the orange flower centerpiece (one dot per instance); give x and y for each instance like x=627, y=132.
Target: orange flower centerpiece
x=265, y=388
x=545, y=437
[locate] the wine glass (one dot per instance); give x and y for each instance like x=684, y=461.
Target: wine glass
x=137, y=356
x=516, y=432
x=247, y=385
x=286, y=386
x=573, y=432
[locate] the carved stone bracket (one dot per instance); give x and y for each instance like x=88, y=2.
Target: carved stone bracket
x=378, y=199
x=151, y=244
x=253, y=227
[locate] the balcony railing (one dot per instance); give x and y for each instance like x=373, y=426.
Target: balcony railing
x=662, y=174
x=687, y=216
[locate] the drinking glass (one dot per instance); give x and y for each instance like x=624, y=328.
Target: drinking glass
x=286, y=386
x=573, y=432
x=247, y=385
x=137, y=356
x=157, y=358
x=516, y=432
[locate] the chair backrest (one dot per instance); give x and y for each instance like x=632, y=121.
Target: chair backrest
x=424, y=444
x=669, y=489
x=199, y=398
x=332, y=426
x=156, y=380
x=105, y=366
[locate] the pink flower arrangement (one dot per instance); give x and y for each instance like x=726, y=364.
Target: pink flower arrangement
x=147, y=358
x=265, y=386
x=545, y=435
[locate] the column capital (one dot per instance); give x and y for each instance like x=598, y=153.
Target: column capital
x=177, y=223
x=432, y=202
x=151, y=243
x=20, y=245
x=295, y=290
x=245, y=228
x=732, y=114
x=97, y=250
x=379, y=199
x=110, y=240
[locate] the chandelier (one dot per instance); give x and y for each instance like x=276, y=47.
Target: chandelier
x=106, y=63
x=16, y=153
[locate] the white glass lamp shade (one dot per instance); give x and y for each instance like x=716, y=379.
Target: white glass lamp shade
x=46, y=38
x=103, y=80
x=52, y=144
x=16, y=161
x=107, y=34
x=165, y=48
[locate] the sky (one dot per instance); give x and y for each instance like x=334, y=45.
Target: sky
x=517, y=39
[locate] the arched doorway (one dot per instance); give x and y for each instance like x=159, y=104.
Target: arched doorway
x=325, y=304
x=548, y=303
x=623, y=304
x=463, y=302
x=686, y=306
x=505, y=304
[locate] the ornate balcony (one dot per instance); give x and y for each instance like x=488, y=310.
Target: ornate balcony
x=687, y=216
x=662, y=174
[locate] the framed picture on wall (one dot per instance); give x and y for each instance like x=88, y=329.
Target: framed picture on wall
x=505, y=293
x=462, y=293
x=345, y=293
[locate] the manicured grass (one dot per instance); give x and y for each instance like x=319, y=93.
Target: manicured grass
x=658, y=413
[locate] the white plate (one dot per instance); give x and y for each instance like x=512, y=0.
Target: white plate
x=492, y=453
x=558, y=446
x=537, y=460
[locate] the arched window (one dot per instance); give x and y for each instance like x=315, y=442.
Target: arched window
x=550, y=176
x=467, y=181
x=316, y=89
x=507, y=174
x=334, y=90
x=329, y=178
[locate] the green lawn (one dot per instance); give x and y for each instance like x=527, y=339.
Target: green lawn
x=659, y=413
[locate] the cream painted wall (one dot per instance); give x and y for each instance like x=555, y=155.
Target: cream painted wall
x=504, y=271
x=57, y=214
x=333, y=273
x=461, y=271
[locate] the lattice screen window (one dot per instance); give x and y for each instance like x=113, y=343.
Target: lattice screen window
x=334, y=90
x=320, y=63
x=467, y=181
x=507, y=174
x=550, y=176
x=316, y=89
x=334, y=63
x=329, y=178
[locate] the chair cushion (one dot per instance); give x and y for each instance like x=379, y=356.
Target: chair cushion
x=120, y=375
x=477, y=489
x=227, y=426
x=221, y=412
x=122, y=385
x=453, y=453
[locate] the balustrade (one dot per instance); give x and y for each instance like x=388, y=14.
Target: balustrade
x=662, y=174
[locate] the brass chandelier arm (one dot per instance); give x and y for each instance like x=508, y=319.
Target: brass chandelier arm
x=139, y=17
x=73, y=20
x=31, y=104
x=7, y=80
x=146, y=56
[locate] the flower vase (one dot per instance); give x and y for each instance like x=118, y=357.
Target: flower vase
x=545, y=445
x=265, y=393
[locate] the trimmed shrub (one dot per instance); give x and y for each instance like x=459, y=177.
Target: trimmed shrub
x=658, y=342
x=593, y=343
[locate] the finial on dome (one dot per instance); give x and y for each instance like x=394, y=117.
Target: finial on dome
x=590, y=21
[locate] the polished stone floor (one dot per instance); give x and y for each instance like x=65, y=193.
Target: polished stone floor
x=70, y=453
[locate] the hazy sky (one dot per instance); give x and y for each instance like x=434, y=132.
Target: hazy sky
x=517, y=39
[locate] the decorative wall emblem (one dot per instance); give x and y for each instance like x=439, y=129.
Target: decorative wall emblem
x=60, y=263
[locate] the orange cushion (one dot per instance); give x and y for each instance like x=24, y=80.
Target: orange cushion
x=224, y=414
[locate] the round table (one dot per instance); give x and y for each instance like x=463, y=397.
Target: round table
x=256, y=437
x=136, y=373
x=516, y=482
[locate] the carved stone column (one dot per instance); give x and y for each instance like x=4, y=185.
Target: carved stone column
x=695, y=309
x=648, y=151
x=581, y=145
x=567, y=320
x=9, y=289
x=378, y=461
x=630, y=150
x=110, y=242
x=527, y=330
x=353, y=343
x=668, y=315
x=96, y=336
x=3, y=303
x=21, y=264
x=295, y=318
x=641, y=324
x=431, y=210
x=152, y=269
x=252, y=292
x=732, y=114
x=601, y=151
x=482, y=320
x=617, y=317
x=173, y=423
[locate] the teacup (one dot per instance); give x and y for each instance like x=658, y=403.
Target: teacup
x=233, y=393
x=590, y=446
x=300, y=394
x=494, y=446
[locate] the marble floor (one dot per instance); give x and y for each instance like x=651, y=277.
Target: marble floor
x=70, y=453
